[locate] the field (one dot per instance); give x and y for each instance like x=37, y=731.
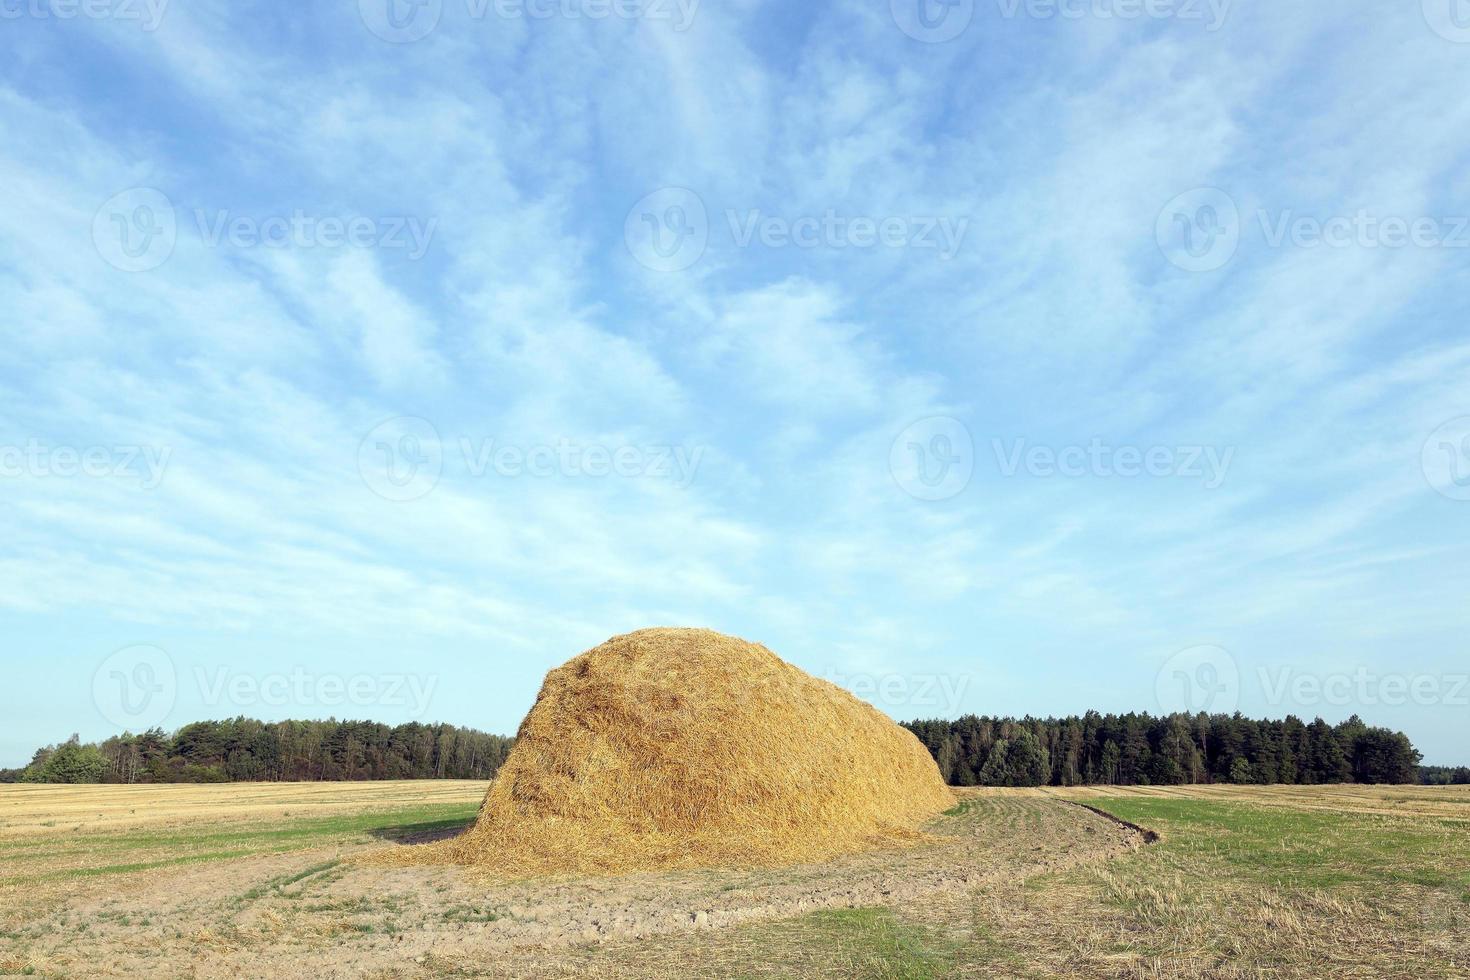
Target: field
x=255, y=880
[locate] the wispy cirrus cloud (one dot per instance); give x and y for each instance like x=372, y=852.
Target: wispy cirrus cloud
x=787, y=375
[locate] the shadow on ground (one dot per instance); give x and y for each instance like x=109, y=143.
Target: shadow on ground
x=426, y=832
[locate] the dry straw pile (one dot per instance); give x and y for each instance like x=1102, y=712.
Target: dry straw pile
x=683, y=748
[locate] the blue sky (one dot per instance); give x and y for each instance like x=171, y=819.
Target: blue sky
x=988, y=357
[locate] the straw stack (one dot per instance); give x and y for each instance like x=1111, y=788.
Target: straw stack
x=684, y=748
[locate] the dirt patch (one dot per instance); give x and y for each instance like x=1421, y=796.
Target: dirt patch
x=1149, y=836
x=321, y=914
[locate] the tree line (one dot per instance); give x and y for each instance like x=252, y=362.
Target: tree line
x=1131, y=749
x=1140, y=749
x=1445, y=775
x=246, y=750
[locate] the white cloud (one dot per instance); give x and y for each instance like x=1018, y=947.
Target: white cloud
x=790, y=370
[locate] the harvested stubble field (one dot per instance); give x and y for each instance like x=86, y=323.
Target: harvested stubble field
x=262, y=880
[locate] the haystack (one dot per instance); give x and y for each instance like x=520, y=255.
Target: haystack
x=684, y=748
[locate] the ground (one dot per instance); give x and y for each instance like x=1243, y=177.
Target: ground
x=256, y=880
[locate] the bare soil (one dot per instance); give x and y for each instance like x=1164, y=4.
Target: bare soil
x=322, y=913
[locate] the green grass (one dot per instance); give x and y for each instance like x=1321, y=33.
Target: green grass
x=468, y=913
x=276, y=885
x=125, y=852
x=865, y=944
x=389, y=824
x=126, y=868
x=1311, y=848
x=1236, y=887
x=1241, y=888
x=1233, y=888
